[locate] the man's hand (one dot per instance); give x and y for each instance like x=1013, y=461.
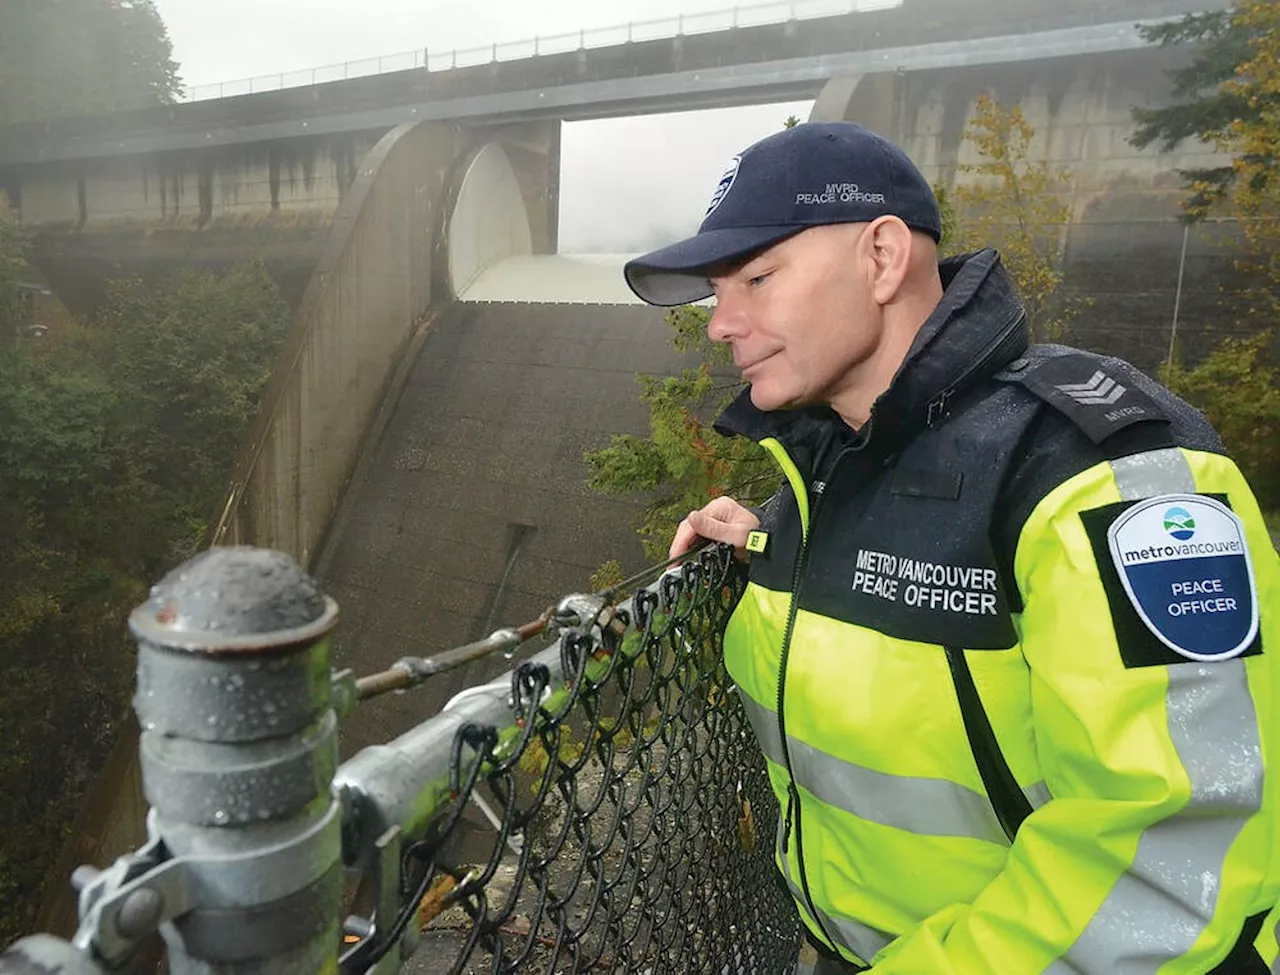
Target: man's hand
x=722, y=520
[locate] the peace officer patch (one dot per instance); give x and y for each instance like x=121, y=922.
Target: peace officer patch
x=1184, y=566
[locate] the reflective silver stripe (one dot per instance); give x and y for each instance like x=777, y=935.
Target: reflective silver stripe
x=1163, y=902
x=926, y=807
x=1037, y=794
x=860, y=939
x=1153, y=472
x=764, y=723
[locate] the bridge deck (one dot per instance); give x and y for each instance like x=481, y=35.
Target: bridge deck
x=750, y=65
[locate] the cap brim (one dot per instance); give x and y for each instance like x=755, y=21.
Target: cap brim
x=677, y=274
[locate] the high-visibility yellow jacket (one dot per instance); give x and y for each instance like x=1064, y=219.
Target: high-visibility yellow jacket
x=1076, y=536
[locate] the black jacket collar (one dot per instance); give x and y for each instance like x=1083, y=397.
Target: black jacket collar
x=977, y=328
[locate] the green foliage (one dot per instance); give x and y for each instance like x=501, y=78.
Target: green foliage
x=606, y=577
x=116, y=438
x=1238, y=389
x=82, y=57
x=1253, y=140
x=1229, y=96
x=13, y=270
x=194, y=357
x=1204, y=105
x=950, y=219
x=683, y=461
x=1013, y=205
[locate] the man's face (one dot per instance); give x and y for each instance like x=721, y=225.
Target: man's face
x=799, y=316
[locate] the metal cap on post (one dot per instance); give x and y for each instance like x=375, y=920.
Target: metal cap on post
x=238, y=752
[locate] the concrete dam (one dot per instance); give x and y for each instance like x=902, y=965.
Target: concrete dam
x=419, y=447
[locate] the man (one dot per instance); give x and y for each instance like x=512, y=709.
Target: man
x=1011, y=634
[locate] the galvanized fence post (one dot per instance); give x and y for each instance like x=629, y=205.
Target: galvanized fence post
x=238, y=750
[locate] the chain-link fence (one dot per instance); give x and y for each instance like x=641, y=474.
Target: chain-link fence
x=630, y=811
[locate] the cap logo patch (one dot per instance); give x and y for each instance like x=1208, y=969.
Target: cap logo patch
x=725, y=184
x=1184, y=564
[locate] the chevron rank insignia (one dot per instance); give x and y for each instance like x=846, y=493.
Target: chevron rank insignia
x=1083, y=388
x=1100, y=390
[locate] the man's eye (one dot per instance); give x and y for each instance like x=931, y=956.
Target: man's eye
x=758, y=279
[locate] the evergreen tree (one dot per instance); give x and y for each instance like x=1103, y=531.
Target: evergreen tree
x=116, y=440
x=1230, y=97
x=82, y=57
x=1207, y=100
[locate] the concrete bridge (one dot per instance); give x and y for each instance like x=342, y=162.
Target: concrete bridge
x=420, y=445
x=205, y=183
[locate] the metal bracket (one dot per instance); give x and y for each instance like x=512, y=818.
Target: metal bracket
x=141, y=891
x=130, y=899
x=578, y=610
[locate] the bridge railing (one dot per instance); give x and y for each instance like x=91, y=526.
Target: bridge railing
x=752, y=15
x=601, y=806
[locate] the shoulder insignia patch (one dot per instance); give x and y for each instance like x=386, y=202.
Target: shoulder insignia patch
x=1181, y=565
x=1080, y=386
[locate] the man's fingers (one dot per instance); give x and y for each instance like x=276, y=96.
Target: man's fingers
x=719, y=529
x=685, y=538
x=722, y=520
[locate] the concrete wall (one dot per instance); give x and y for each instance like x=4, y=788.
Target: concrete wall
x=1123, y=246
x=489, y=222
x=155, y=214
x=385, y=266
x=231, y=184
x=370, y=289
x=472, y=509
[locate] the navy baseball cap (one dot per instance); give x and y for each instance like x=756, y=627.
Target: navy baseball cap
x=812, y=174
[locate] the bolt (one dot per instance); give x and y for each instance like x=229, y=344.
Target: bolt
x=140, y=913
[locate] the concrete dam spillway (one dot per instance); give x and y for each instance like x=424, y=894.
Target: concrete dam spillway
x=472, y=509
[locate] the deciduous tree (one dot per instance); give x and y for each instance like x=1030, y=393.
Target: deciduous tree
x=1013, y=203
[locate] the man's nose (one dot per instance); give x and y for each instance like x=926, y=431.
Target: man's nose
x=727, y=320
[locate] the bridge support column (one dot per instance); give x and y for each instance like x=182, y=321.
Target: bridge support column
x=871, y=100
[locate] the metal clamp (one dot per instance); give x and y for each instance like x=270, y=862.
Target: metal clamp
x=123, y=904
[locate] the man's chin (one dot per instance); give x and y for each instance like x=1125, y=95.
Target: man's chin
x=766, y=399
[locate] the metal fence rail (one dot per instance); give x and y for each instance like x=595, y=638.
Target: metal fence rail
x=747, y=15
x=602, y=807
x=760, y=14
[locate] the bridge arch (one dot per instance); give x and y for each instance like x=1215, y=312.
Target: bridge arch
x=489, y=220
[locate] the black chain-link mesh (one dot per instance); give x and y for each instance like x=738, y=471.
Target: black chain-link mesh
x=636, y=819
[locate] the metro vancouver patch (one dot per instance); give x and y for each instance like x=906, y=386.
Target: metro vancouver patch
x=1178, y=577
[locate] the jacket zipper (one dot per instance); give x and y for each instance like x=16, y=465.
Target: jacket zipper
x=792, y=816
x=1003, y=334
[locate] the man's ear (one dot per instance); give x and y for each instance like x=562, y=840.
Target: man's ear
x=890, y=242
